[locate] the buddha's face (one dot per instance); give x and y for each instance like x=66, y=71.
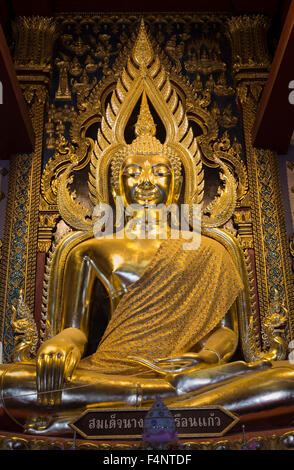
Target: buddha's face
x=147, y=180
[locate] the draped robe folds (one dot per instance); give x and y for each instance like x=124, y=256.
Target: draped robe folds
x=181, y=297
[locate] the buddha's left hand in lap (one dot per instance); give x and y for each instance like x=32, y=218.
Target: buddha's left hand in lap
x=193, y=360
x=184, y=362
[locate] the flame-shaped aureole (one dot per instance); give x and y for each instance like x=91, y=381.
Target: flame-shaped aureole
x=144, y=74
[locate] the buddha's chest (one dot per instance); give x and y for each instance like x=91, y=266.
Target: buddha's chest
x=128, y=261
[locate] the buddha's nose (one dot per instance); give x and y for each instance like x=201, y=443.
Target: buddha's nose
x=147, y=180
x=146, y=184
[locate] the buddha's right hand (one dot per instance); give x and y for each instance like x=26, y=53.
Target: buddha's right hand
x=56, y=360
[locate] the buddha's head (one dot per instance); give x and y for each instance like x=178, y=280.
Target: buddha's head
x=146, y=172
x=147, y=180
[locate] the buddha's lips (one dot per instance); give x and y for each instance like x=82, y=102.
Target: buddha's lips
x=146, y=195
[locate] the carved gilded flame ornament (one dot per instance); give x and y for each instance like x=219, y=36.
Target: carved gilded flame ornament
x=145, y=77
x=274, y=334
x=25, y=331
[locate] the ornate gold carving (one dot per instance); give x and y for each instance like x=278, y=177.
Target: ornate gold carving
x=45, y=293
x=223, y=149
x=252, y=334
x=37, y=96
x=63, y=91
x=78, y=46
x=204, y=100
x=44, y=245
x=75, y=68
x=221, y=87
x=251, y=61
x=82, y=89
x=197, y=102
x=34, y=41
x=248, y=39
x=73, y=213
x=23, y=220
x=243, y=220
x=247, y=57
x=64, y=154
x=47, y=222
x=26, y=333
x=55, y=125
x=127, y=91
x=272, y=337
x=8, y=234
x=274, y=440
x=176, y=51
x=221, y=209
x=204, y=55
x=142, y=53
x=226, y=118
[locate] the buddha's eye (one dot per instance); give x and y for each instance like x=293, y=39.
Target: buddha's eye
x=161, y=170
x=132, y=171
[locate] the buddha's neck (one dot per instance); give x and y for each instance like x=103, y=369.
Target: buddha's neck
x=148, y=223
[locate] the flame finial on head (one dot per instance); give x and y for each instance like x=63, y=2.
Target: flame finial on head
x=145, y=124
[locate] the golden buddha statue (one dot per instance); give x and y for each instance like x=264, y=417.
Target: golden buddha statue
x=172, y=327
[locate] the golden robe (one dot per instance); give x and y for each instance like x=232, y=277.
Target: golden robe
x=181, y=297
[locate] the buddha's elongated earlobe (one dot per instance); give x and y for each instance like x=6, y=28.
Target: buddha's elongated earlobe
x=177, y=188
x=119, y=206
